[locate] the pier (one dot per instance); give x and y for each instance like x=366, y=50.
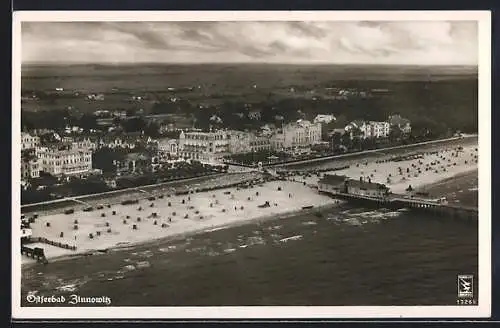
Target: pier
x=377, y=194
x=395, y=201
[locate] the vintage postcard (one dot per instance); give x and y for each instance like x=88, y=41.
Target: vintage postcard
x=251, y=165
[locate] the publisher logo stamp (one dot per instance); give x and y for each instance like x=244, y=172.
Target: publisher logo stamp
x=465, y=285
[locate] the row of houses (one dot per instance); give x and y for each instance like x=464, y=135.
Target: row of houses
x=73, y=155
x=215, y=145
x=126, y=141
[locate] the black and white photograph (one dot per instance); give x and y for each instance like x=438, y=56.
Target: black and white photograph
x=251, y=165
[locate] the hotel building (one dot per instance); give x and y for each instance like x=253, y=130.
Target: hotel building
x=204, y=146
x=246, y=142
x=297, y=137
x=28, y=141
x=65, y=162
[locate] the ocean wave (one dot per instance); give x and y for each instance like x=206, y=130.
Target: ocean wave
x=255, y=240
x=297, y=237
x=167, y=249
x=129, y=267
x=392, y=214
x=67, y=288
x=212, y=253
x=276, y=227
x=352, y=221
x=143, y=264
x=307, y=223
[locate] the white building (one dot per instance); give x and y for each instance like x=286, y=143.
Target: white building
x=379, y=129
x=28, y=141
x=65, y=162
x=239, y=142
x=297, y=136
x=30, y=167
x=204, y=146
x=369, y=129
x=246, y=142
x=85, y=143
x=169, y=146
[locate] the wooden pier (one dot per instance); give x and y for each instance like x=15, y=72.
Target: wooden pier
x=394, y=201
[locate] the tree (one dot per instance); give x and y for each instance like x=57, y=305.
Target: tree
x=152, y=130
x=87, y=122
x=346, y=140
x=136, y=124
x=395, y=134
x=104, y=159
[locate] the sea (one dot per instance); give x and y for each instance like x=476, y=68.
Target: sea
x=345, y=255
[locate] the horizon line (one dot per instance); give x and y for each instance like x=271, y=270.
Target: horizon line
x=47, y=63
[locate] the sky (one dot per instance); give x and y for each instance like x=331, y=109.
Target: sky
x=314, y=42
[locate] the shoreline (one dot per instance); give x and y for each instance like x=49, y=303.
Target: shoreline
x=202, y=230
x=181, y=235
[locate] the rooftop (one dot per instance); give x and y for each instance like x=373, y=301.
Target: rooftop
x=367, y=185
x=333, y=179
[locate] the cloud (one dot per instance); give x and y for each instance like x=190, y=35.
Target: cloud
x=364, y=42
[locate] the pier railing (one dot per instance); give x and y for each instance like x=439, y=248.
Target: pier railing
x=393, y=201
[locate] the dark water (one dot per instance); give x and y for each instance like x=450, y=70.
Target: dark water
x=342, y=256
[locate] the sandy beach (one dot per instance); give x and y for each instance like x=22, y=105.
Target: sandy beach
x=170, y=216
x=417, y=170
x=126, y=225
